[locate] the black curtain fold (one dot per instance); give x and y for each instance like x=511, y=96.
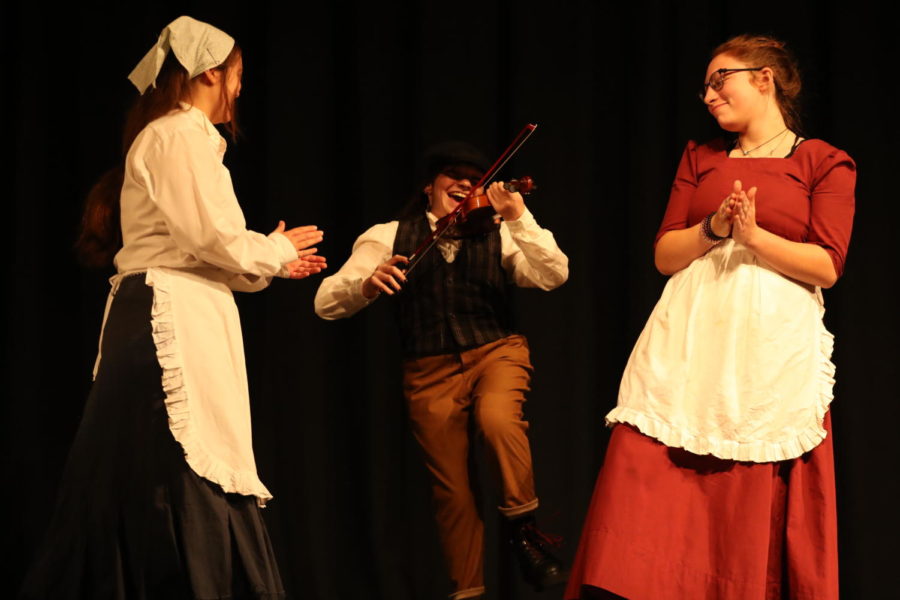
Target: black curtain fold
x=338, y=103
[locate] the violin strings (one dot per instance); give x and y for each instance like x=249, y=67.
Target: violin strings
x=510, y=151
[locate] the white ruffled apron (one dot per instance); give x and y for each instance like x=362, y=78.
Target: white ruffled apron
x=734, y=361
x=197, y=334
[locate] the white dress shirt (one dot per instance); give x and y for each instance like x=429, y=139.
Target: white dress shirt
x=529, y=256
x=179, y=209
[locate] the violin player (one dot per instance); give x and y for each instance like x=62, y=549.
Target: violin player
x=463, y=358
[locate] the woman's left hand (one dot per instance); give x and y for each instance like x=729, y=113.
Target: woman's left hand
x=306, y=266
x=744, y=226
x=510, y=205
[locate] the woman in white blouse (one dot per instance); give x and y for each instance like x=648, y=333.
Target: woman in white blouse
x=160, y=496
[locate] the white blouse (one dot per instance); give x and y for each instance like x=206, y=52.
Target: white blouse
x=529, y=255
x=181, y=223
x=179, y=209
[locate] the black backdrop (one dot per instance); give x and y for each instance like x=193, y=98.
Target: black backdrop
x=338, y=102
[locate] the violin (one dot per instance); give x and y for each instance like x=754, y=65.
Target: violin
x=476, y=215
x=477, y=207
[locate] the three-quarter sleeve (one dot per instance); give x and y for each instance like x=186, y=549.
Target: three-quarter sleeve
x=683, y=188
x=832, y=205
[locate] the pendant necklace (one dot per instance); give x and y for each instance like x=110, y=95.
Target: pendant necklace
x=746, y=152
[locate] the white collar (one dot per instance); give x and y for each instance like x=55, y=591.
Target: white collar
x=199, y=117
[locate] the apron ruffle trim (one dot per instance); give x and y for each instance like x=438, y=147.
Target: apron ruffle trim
x=744, y=450
x=178, y=405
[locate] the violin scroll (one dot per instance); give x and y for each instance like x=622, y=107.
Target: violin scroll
x=523, y=185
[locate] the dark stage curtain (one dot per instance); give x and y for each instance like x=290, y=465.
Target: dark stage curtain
x=338, y=102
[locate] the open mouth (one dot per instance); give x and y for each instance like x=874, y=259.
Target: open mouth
x=458, y=196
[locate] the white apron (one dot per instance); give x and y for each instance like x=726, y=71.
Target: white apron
x=197, y=334
x=734, y=361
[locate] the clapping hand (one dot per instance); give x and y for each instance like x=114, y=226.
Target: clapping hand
x=306, y=266
x=744, y=222
x=302, y=238
x=723, y=219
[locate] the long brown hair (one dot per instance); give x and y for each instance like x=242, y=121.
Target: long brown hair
x=100, y=236
x=764, y=51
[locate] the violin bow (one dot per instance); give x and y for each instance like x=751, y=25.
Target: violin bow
x=489, y=175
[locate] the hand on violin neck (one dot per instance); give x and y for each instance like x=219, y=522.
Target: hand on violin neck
x=386, y=278
x=510, y=205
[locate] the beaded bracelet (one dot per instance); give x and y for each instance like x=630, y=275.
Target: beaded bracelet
x=707, y=232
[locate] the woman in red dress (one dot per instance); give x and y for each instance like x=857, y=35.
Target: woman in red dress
x=719, y=477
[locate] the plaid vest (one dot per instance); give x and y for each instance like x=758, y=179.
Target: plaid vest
x=450, y=307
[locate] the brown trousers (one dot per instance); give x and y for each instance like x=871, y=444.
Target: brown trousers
x=444, y=393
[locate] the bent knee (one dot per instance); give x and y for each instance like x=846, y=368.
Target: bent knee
x=499, y=419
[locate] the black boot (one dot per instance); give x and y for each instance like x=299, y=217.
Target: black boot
x=539, y=567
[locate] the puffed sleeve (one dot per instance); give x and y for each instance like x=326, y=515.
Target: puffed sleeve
x=683, y=188
x=832, y=205
x=530, y=253
x=191, y=187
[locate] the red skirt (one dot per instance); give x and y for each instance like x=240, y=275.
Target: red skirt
x=667, y=524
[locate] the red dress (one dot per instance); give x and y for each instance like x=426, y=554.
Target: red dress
x=667, y=524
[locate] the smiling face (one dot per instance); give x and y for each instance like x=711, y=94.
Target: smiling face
x=449, y=188
x=745, y=95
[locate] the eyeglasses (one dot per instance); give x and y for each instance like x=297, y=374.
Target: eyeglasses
x=460, y=172
x=717, y=80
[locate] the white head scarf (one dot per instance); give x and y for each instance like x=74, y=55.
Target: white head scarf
x=198, y=46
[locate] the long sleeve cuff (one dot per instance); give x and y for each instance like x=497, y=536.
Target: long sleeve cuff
x=339, y=297
x=286, y=251
x=526, y=223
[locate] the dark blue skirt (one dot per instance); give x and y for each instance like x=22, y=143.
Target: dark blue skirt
x=132, y=520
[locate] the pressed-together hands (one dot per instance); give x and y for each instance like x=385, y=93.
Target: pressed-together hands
x=736, y=216
x=805, y=262
x=308, y=262
x=744, y=226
